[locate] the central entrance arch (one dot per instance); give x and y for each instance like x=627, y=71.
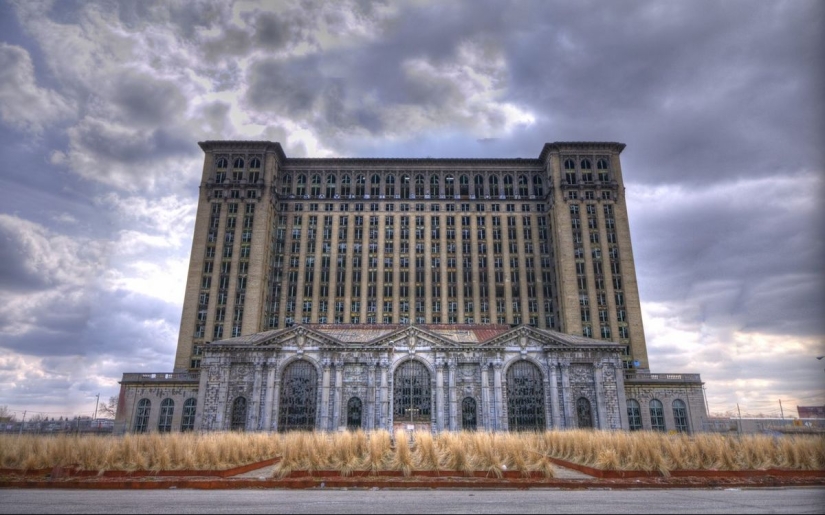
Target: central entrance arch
x=411, y=393
x=298, y=402
x=525, y=397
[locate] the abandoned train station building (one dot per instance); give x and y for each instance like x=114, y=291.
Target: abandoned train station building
x=427, y=294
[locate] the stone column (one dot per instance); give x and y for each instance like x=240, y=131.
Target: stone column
x=439, y=395
x=326, y=423
x=339, y=386
x=256, y=396
x=565, y=393
x=223, y=393
x=554, y=394
x=268, y=400
x=370, y=400
x=599, y=384
x=277, y=401
x=485, y=397
x=453, y=394
x=498, y=406
x=383, y=414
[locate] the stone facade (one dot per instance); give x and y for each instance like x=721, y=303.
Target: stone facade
x=503, y=289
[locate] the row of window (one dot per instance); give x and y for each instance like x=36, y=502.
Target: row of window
x=417, y=187
x=167, y=411
x=222, y=162
x=433, y=207
x=657, y=415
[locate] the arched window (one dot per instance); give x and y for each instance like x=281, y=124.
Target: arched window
x=345, y=186
x=315, y=188
x=657, y=415
x=569, y=164
x=286, y=185
x=405, y=186
x=144, y=407
x=223, y=163
x=330, y=186
x=360, y=185
x=238, y=421
x=389, y=186
x=468, y=414
x=464, y=186
x=187, y=422
x=255, y=163
x=494, y=186
x=167, y=409
x=634, y=415
x=302, y=185
x=238, y=162
x=298, y=403
x=434, y=186
x=375, y=185
x=508, y=186
x=411, y=392
x=585, y=164
x=354, y=414
x=584, y=415
x=525, y=397
x=680, y=417
x=478, y=182
x=538, y=186
x=419, y=186
x=449, y=186
x=522, y=185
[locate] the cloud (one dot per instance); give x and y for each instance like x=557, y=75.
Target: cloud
x=23, y=104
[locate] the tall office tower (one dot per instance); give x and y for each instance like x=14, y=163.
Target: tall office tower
x=540, y=241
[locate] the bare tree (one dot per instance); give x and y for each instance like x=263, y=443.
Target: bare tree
x=5, y=414
x=108, y=410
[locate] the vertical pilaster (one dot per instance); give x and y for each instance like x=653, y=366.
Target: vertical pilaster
x=485, y=397
x=326, y=423
x=498, y=406
x=598, y=379
x=269, y=398
x=256, y=397
x=451, y=370
x=383, y=416
x=565, y=393
x=339, y=386
x=439, y=395
x=554, y=393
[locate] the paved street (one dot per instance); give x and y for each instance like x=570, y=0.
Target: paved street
x=762, y=500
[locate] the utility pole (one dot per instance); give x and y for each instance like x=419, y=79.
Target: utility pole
x=781, y=411
x=22, y=422
x=740, y=418
x=97, y=398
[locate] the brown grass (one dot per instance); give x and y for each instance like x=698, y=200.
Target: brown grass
x=467, y=452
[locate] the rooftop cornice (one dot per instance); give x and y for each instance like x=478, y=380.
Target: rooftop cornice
x=267, y=146
x=234, y=145
x=561, y=146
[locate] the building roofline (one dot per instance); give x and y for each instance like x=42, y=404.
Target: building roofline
x=270, y=146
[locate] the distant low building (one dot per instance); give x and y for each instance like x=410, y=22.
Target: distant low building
x=811, y=411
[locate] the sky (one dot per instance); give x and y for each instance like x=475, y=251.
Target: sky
x=720, y=104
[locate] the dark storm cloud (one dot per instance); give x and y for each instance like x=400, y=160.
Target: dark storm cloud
x=147, y=102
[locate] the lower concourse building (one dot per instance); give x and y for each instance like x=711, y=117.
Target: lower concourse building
x=437, y=294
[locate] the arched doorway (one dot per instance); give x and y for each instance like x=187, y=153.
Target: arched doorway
x=468, y=414
x=411, y=393
x=298, y=402
x=354, y=414
x=525, y=397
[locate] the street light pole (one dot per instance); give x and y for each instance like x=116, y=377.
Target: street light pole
x=97, y=399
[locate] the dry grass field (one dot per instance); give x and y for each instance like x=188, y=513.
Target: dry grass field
x=347, y=452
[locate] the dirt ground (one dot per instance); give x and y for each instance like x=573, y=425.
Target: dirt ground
x=262, y=477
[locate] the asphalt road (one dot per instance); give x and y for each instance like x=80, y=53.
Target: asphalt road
x=362, y=501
